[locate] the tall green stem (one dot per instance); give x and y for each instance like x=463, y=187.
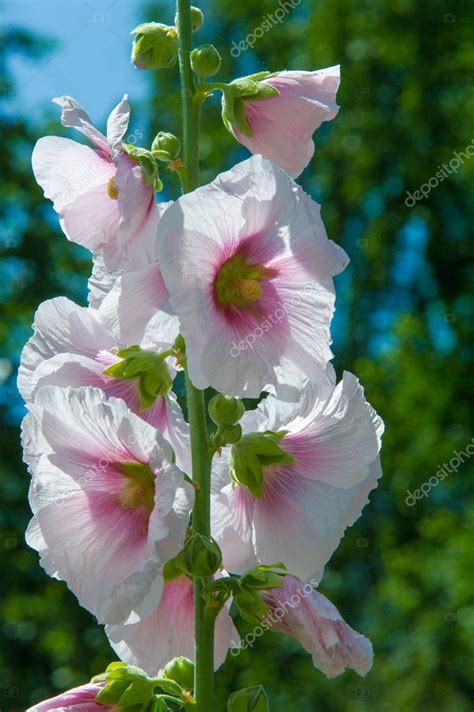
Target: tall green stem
x=204, y=623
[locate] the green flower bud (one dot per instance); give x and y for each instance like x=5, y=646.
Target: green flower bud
x=232, y=435
x=205, y=61
x=197, y=19
x=251, y=454
x=251, y=699
x=225, y=411
x=201, y=557
x=155, y=46
x=166, y=143
x=148, y=368
x=181, y=670
x=128, y=686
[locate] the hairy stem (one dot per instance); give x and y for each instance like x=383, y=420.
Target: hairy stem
x=204, y=623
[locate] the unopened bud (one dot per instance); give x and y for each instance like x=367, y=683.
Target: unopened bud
x=225, y=411
x=181, y=670
x=201, y=557
x=232, y=435
x=205, y=61
x=251, y=699
x=166, y=143
x=155, y=46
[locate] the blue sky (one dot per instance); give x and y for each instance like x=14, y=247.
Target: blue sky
x=92, y=59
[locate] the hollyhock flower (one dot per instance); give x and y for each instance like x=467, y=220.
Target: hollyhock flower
x=79, y=699
x=110, y=507
x=298, y=610
x=249, y=269
x=139, y=270
x=76, y=346
x=100, y=193
x=169, y=631
x=325, y=452
x=281, y=127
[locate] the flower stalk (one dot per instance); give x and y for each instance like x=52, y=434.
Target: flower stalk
x=201, y=461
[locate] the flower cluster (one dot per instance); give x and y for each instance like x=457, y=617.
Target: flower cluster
x=178, y=286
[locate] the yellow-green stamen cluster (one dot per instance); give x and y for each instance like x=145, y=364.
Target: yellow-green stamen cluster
x=239, y=283
x=138, y=488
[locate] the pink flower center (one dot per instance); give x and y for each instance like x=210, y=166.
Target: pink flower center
x=238, y=283
x=138, y=489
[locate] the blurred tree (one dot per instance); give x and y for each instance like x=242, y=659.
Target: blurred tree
x=48, y=641
x=403, y=574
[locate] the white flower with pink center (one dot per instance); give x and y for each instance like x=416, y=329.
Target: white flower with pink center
x=79, y=699
x=249, y=269
x=331, y=441
x=298, y=610
x=75, y=346
x=110, y=507
x=100, y=193
x=281, y=127
x=169, y=631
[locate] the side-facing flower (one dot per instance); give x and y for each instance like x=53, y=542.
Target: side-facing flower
x=79, y=346
x=110, y=507
x=298, y=610
x=104, y=199
x=79, y=699
x=301, y=475
x=280, y=126
x=249, y=270
x=169, y=631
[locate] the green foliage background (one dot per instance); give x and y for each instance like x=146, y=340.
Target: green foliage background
x=403, y=574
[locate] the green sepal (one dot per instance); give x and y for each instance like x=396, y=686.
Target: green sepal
x=220, y=590
x=147, y=163
x=171, y=571
x=251, y=454
x=125, y=672
x=251, y=699
x=129, y=688
x=159, y=705
x=111, y=694
x=251, y=607
x=261, y=578
x=234, y=95
x=241, y=120
x=228, y=114
x=242, y=87
x=138, y=692
x=149, y=368
x=265, y=91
